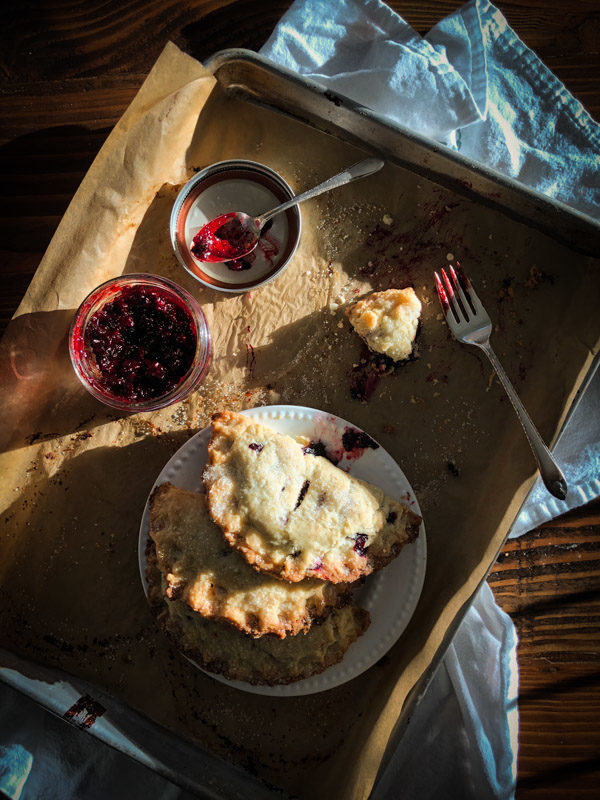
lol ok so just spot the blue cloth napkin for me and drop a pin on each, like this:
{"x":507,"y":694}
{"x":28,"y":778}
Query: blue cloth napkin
{"x":471,"y":83}
{"x":15,"y":766}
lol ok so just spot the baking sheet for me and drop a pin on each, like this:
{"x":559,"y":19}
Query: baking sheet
{"x":76,"y":475}
{"x":250,"y":76}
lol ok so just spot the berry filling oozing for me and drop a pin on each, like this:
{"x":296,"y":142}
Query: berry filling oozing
{"x":353,"y":439}
{"x":360,"y":543}
{"x":143,"y":341}
{"x":302,"y":494}
{"x":315,"y":449}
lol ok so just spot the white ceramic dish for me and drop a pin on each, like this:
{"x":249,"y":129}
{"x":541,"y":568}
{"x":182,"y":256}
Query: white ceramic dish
{"x":236,"y":185}
{"x":390,"y":595}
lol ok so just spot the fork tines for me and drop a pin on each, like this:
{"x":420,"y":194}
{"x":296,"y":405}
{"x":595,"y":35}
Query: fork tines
{"x":454,"y":293}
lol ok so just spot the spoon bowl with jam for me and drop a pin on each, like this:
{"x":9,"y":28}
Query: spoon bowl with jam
{"x":233,"y":236}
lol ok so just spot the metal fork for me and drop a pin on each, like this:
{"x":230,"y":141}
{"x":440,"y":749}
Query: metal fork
{"x":470,"y":323}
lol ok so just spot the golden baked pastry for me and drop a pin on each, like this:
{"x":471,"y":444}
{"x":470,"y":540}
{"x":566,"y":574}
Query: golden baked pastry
{"x":218,"y":647}
{"x":293,"y":513}
{"x":213,"y":579}
{"x":388,"y":321}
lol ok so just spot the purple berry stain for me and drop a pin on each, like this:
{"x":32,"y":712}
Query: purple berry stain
{"x":318,"y":448}
{"x":355,"y":443}
{"x":353,"y":439}
{"x":360,"y":543}
{"x":255,"y":446}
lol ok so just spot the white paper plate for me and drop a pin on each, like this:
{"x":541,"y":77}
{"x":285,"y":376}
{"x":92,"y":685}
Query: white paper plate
{"x":390,"y":595}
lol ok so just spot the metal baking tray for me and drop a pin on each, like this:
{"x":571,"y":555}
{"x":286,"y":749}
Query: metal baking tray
{"x":247,"y":76}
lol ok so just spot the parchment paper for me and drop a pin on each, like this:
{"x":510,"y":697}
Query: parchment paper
{"x":75,"y":474}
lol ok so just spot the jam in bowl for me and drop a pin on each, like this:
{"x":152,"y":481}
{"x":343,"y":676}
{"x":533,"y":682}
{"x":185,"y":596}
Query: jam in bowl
{"x":211,"y":197}
{"x":139,"y":343}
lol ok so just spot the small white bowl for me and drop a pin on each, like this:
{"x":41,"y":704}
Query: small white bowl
{"x":237,"y":185}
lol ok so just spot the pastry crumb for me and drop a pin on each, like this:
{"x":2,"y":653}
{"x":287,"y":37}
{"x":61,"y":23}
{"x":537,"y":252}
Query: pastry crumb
{"x":388,"y":321}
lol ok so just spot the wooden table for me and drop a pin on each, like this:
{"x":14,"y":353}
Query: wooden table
{"x":67,"y":72}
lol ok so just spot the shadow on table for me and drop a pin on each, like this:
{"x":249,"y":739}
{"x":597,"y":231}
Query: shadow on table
{"x":72,"y":528}
{"x":41,"y":171}
{"x":589,"y":681}
{"x":40,"y":396}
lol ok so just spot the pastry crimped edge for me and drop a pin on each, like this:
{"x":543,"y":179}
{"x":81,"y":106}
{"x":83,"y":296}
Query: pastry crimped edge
{"x":358,"y":618}
{"x":354,"y":567}
{"x":309,"y":607}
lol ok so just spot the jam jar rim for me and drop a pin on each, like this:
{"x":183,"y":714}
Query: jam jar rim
{"x":196,"y":372}
{"x":221,"y":168}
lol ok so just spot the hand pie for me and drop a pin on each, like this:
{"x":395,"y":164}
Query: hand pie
{"x":203,"y":572}
{"x":294,"y":514}
{"x":218,"y":647}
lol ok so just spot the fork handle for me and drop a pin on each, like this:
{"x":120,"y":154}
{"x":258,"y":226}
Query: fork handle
{"x":553,"y":478}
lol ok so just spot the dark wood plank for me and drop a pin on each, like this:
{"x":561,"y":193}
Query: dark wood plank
{"x":61,"y":39}
{"x":81,"y":39}
{"x":549,"y":581}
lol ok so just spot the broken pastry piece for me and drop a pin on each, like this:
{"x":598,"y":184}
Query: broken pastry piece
{"x":292,"y":513}
{"x":388,"y":321}
{"x":218,"y":647}
{"x":204,"y":573}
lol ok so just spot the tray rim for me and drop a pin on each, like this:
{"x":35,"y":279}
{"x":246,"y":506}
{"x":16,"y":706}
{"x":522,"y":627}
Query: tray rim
{"x":9,"y":661}
{"x":539,"y":202}
{"x":532,"y":196}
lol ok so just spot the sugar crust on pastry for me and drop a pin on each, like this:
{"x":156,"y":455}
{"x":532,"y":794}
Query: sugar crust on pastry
{"x":388,"y":321}
{"x":213,"y":579}
{"x":220,"y":648}
{"x":293,"y":513}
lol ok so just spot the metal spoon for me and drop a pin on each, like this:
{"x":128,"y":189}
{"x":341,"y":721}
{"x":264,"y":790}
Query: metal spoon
{"x":232,"y":236}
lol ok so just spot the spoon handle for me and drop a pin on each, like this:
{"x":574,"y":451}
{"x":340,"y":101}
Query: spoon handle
{"x":359,"y":170}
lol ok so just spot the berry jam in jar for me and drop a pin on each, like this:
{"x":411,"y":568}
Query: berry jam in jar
{"x":140,"y":342}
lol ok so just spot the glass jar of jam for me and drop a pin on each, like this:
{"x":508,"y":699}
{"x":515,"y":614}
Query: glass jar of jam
{"x":139,"y":343}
